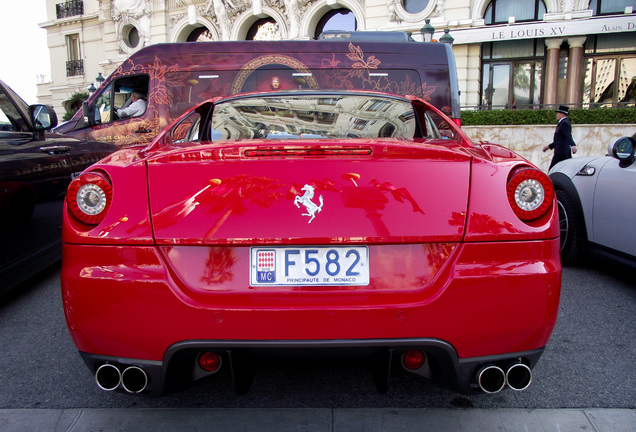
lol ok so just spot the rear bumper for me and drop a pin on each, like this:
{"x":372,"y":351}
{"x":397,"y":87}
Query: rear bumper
{"x":485,"y":302}
{"x":178,"y":368}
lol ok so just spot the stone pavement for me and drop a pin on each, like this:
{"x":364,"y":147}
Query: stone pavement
{"x":318,"y":420}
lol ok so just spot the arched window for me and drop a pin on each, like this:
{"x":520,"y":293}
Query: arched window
{"x":200,"y":34}
{"x":500,"y":11}
{"x":264,"y":29}
{"x":337,"y":19}
{"x":606,"y":7}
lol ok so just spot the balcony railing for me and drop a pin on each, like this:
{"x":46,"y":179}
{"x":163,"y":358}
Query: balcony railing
{"x":74,"y":67}
{"x":69,"y":8}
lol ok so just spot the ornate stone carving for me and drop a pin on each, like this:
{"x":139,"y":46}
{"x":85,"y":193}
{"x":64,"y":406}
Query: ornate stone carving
{"x":439,"y":8}
{"x":134,"y":12}
{"x":294,"y":14}
{"x":567,"y":5}
{"x":393,"y":15}
{"x":218,"y":9}
{"x":174,"y":20}
{"x":224,"y":13}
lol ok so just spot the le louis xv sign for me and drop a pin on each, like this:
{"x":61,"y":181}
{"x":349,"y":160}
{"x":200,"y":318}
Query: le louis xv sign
{"x":546,"y":29}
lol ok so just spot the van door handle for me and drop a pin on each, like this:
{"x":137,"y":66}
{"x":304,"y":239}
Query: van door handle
{"x":143,"y":131}
{"x":55,"y":150}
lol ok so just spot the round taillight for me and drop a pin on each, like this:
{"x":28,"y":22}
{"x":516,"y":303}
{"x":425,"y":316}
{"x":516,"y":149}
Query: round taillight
{"x":413,"y":359}
{"x":530,"y":193}
{"x":89,"y":197}
{"x":209,"y":361}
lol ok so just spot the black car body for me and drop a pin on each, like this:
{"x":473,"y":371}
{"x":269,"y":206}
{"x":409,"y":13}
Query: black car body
{"x":36,"y":168}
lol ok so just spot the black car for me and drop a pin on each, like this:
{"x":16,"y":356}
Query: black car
{"x":36,"y":168}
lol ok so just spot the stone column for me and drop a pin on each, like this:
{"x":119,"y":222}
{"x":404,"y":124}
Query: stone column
{"x":551,"y":71}
{"x":575,"y":70}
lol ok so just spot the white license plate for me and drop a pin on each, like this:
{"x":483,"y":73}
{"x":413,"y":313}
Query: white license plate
{"x":309,"y":265}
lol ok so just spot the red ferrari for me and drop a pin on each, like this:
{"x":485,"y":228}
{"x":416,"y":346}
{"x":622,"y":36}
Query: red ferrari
{"x":311,"y":223}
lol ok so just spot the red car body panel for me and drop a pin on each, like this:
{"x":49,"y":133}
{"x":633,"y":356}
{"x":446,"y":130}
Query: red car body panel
{"x":223,"y":196}
{"x":448,"y":258}
{"x":490,"y":215}
{"x":501,"y":297}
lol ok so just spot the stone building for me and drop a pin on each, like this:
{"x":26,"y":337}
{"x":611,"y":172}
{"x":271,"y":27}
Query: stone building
{"x":509,"y":53}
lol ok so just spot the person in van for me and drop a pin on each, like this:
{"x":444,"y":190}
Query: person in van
{"x":136,"y":108}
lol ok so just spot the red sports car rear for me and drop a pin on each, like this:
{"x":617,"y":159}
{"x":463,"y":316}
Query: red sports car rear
{"x":310,"y":224}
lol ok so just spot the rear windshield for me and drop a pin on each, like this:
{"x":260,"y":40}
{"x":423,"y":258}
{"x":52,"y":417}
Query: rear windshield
{"x":189,"y":88}
{"x":313,"y":116}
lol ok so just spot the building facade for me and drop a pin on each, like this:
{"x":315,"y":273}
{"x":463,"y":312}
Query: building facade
{"x":509,"y":53}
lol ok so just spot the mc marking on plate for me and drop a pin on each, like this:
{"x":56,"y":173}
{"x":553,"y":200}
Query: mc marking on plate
{"x":266,"y":266}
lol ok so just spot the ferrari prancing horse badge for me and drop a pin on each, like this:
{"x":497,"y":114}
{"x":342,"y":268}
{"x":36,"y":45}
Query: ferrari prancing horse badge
{"x":305,"y":200}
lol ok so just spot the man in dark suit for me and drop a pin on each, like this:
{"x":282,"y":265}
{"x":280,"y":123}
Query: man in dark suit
{"x":563,"y":143}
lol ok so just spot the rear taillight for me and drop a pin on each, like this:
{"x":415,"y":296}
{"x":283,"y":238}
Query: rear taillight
{"x":530,"y":193}
{"x":89,"y":197}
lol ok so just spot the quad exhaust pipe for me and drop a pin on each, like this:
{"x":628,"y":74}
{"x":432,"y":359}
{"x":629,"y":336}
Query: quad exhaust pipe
{"x":519,"y":377}
{"x":108,"y":377}
{"x":493,"y":379}
{"x":133,"y":379}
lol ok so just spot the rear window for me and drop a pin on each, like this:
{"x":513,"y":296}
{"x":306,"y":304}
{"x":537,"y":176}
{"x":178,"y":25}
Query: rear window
{"x":313,"y":116}
{"x":189,"y":88}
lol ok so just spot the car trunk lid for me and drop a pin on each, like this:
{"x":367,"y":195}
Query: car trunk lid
{"x":349,"y":191}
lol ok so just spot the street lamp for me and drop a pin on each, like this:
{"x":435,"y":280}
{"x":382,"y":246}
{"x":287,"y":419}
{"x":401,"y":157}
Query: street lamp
{"x":446,"y":37}
{"x":99,"y":79}
{"x":91,"y":89}
{"x":427,"y":31}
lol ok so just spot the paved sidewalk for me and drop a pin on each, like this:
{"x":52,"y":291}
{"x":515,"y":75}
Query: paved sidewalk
{"x":318,"y":420}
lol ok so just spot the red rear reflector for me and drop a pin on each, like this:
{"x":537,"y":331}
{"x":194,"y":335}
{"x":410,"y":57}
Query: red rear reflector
{"x":309,"y":152}
{"x":414,"y":359}
{"x":209,"y":361}
{"x":458,"y":121}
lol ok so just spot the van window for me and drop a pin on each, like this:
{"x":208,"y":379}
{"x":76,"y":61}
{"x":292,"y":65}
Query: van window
{"x":102,"y":106}
{"x":114,"y":102}
{"x":437,"y":127}
{"x":187,"y":129}
{"x":187,"y":89}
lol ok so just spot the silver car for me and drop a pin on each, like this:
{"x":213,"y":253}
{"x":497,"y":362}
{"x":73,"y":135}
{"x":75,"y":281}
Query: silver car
{"x":597,"y":201}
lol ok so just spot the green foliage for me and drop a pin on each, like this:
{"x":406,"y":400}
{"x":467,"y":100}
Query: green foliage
{"x":74,"y":103}
{"x":625,"y":115}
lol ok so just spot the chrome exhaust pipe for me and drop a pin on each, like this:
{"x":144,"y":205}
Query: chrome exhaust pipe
{"x":134,"y":379}
{"x":491,"y":379}
{"x":108,"y":377}
{"x":519,"y":377}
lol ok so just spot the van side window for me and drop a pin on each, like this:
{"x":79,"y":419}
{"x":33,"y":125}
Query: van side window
{"x":431,"y":130}
{"x":442,"y":128}
{"x":102,"y":107}
{"x":188,"y":129}
{"x":123,"y":98}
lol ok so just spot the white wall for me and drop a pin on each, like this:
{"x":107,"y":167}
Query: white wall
{"x":528,"y":141}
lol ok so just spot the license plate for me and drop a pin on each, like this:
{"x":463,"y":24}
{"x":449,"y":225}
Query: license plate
{"x":309,"y":265}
